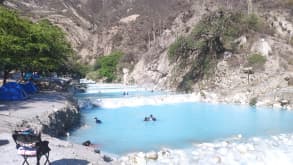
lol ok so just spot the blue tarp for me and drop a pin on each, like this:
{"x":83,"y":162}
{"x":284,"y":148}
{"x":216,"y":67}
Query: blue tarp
{"x":12,"y":91}
{"x":29,"y":88}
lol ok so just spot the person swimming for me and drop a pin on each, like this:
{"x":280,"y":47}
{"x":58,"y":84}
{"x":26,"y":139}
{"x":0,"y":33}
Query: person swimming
{"x":150,"y":118}
{"x":98,"y":121}
{"x":146,"y":119}
{"x":125,"y":93}
{"x":153,"y":118}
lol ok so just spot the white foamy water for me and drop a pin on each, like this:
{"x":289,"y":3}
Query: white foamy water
{"x":274,"y":150}
{"x":111,"y":88}
{"x":150,"y":100}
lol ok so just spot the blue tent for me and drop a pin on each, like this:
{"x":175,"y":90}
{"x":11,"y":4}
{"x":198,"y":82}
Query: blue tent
{"x":29,"y":88}
{"x":12,"y":91}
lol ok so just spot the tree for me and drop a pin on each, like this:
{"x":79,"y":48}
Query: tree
{"x":47,"y":47}
{"x":13,"y":32}
{"x":28,"y":46}
{"x":106,"y":66}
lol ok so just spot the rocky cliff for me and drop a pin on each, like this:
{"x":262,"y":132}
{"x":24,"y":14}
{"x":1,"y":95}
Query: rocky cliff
{"x":145,"y":29}
{"x":56,"y":122}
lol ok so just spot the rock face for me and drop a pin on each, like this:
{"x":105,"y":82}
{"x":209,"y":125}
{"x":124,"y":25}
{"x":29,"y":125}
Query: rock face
{"x":96,"y":27}
{"x":262,"y":47}
{"x":55,"y":123}
{"x":60,"y":122}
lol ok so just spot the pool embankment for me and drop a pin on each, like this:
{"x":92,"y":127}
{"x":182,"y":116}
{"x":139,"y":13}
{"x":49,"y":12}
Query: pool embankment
{"x":60,"y":121}
{"x":54,"y":113}
{"x":50,"y":112}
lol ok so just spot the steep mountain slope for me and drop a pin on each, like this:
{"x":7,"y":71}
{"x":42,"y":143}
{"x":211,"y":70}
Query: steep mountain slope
{"x":97,"y":27}
{"x":145,"y":29}
{"x":271,"y":85}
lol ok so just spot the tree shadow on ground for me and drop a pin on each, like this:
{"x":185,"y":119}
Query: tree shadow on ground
{"x":70,"y":162}
{"x":49,"y":97}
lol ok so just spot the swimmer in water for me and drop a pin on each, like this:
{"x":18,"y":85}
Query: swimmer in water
{"x":98,"y":121}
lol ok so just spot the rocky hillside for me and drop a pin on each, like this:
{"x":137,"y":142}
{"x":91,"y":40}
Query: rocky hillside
{"x":97,"y":27}
{"x":255,"y":65}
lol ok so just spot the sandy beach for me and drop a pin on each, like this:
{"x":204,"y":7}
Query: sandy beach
{"x":39,"y":106}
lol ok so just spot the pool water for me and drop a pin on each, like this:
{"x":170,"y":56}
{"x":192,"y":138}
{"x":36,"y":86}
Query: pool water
{"x":178,"y":125}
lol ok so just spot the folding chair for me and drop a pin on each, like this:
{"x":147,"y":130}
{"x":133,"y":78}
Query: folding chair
{"x":29,"y":144}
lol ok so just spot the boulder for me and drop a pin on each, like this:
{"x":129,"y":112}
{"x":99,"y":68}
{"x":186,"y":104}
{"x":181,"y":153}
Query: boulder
{"x":137,"y":158}
{"x":152,"y":155}
{"x":97,"y":151}
{"x":164,"y":153}
{"x":87,"y":143}
{"x":107,"y":158}
{"x":262,"y":47}
{"x":241,"y":41}
{"x":289,"y":80}
{"x":284,"y":102}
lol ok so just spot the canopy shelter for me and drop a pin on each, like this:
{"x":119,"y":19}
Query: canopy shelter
{"x":29,"y":88}
{"x":12,"y":91}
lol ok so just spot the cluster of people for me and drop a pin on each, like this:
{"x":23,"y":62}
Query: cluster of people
{"x":147,"y":118}
{"x":150,"y":118}
{"x":125,"y":93}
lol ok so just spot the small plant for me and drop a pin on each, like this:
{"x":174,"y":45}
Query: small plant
{"x":253,"y":22}
{"x":256,"y":61}
{"x":253,"y":101}
{"x":173,"y":49}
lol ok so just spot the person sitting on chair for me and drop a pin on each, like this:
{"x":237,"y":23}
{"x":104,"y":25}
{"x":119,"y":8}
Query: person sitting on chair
{"x":98,"y":121}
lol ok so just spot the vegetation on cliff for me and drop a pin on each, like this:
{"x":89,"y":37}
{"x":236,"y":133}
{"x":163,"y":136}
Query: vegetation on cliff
{"x":210,"y":38}
{"x":256,"y":61}
{"x":106,"y":67}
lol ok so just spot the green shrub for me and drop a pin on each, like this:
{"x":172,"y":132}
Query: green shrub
{"x":253,"y":101}
{"x":186,"y":86}
{"x":256,"y":61}
{"x":80,"y":70}
{"x":214,"y":32}
{"x":178,"y":48}
{"x":93,"y":75}
{"x":254,"y":22}
{"x":107,"y":65}
{"x":221,"y":26}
